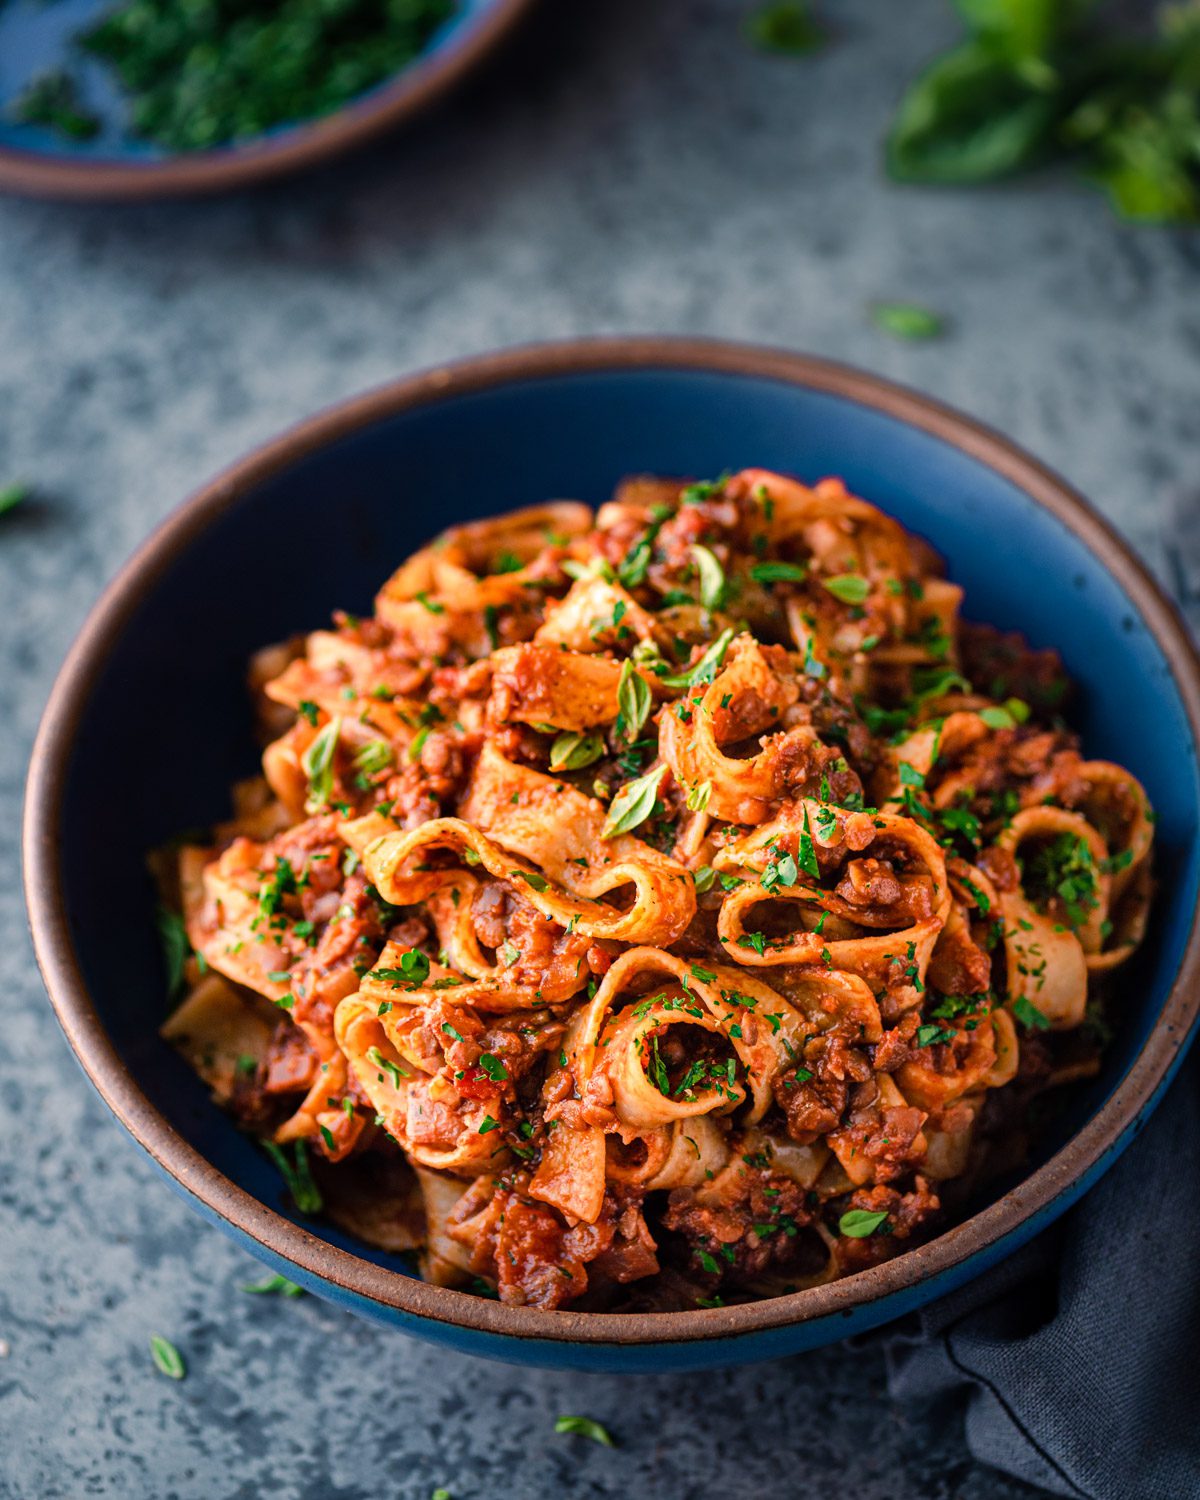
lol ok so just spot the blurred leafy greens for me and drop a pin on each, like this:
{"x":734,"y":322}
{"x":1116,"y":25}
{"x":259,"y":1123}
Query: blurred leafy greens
{"x":1039,"y":80}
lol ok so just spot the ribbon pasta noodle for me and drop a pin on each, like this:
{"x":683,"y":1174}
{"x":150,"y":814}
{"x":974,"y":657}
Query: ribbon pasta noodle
{"x":660,"y":906}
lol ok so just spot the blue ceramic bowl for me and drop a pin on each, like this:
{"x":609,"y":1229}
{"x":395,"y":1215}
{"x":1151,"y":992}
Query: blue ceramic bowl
{"x":36,"y":37}
{"x":148,"y":725}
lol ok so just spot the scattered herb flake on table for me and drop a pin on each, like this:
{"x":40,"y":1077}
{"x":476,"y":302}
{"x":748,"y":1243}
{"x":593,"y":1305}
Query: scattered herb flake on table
{"x":906,"y":320}
{"x":12,"y":495}
{"x":167,"y":1359}
{"x":785,"y":26}
{"x":585,"y":1427}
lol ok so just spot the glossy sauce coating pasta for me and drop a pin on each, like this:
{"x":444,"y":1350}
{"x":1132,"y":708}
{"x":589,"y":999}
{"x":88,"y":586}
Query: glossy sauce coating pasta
{"x":664,"y":906}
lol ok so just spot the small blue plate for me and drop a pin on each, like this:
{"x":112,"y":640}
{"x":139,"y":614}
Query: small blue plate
{"x":36,"y":37}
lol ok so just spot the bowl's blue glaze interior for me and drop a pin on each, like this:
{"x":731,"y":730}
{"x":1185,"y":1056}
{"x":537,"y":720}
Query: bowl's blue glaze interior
{"x":167,"y":727}
{"x":36,"y":37}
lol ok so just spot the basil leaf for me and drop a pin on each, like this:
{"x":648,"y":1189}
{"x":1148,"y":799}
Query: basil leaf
{"x":970,"y":117}
{"x":850,"y":588}
{"x":167,"y":1359}
{"x":571,"y":752}
{"x":633,"y":702}
{"x":317,"y":762}
{"x":997,"y":718}
{"x":712,"y":577}
{"x":706,"y":668}
{"x":905,"y":320}
{"x":633,"y":804}
{"x":585,"y":1427}
{"x":857,"y":1223}
{"x":704,"y":878}
{"x":697,"y":797}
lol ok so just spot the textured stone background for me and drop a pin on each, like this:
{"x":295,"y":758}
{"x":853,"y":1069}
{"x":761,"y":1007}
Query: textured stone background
{"x":630,"y":166}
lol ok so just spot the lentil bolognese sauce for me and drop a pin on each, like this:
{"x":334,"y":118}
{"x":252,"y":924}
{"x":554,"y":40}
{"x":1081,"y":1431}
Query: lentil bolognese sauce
{"x":663,"y":906}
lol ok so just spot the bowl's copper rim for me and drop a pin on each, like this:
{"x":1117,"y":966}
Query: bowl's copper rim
{"x":77,"y":1015}
{"x":105,"y":179}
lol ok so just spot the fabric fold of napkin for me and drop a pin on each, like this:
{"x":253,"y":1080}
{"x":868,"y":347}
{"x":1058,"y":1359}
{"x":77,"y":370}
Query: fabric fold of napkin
{"x":1078,"y":1359}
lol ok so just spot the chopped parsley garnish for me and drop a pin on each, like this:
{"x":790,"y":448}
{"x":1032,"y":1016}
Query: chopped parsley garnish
{"x":1063,"y":869}
{"x":412,"y":973}
{"x":808,"y":854}
{"x":778,"y":572}
{"x":1029,"y":1015}
{"x":633,"y":804}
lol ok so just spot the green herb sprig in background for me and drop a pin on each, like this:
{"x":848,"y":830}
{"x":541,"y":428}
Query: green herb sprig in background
{"x":1042,"y":80}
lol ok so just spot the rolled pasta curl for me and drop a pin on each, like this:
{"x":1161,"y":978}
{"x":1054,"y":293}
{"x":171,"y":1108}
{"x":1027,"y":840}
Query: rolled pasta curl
{"x":397,"y":864}
{"x":1118,"y":806}
{"x":740,"y":790}
{"x":496,"y":992}
{"x":1052,"y":822}
{"x":215,"y":1027}
{"x":544,"y":685}
{"x":846,"y":1145}
{"x":464,"y":557}
{"x":222,"y":917}
{"x":985,"y":1057}
{"x":561,"y":831}
{"x":939,"y":745}
{"x":448,"y":593}
{"x":763,"y":1028}
{"x":630,"y":1048}
{"x":780,"y":1153}
{"x":948,"y":1151}
{"x":399,"y":1093}
{"x":445,"y":1259}
{"x":894,"y":960}
{"x":684,"y":1153}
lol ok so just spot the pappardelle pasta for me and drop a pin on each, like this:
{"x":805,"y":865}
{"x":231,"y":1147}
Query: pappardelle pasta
{"x":657,"y":907}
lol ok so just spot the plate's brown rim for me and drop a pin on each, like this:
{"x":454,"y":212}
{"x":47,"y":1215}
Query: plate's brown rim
{"x":85,"y":1033}
{"x":105,"y":179}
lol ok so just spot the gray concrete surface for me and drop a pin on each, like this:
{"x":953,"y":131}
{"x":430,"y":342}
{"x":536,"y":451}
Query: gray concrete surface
{"x":631,"y":166}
